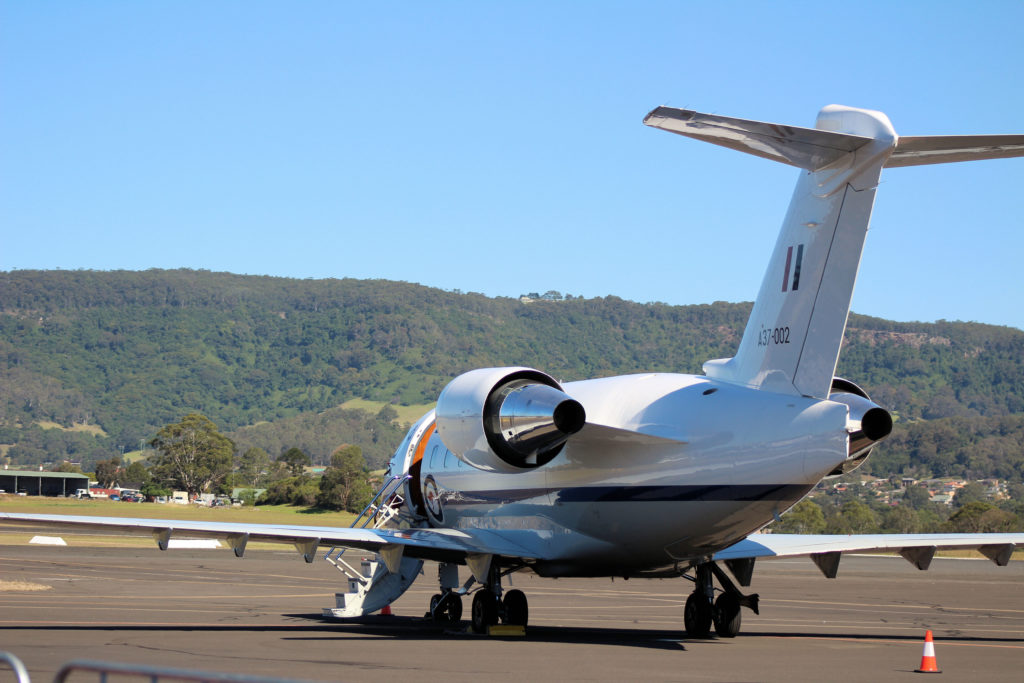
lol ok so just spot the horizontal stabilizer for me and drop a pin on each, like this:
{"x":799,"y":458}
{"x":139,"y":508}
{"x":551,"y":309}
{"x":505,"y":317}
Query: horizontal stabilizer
{"x":941,"y":149}
{"x":807,"y":148}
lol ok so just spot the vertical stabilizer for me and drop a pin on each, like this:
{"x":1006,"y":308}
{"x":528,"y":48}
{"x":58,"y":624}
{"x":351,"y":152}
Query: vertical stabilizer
{"x":791,"y":343}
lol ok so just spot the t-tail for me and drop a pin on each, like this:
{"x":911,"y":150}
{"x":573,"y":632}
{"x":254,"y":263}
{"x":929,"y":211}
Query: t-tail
{"x":792,"y":340}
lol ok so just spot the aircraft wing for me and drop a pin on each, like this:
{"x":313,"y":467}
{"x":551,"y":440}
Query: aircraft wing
{"x":825,"y":550}
{"x":433,"y":544}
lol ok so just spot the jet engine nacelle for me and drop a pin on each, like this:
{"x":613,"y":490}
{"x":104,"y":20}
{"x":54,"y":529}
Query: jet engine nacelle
{"x":867,"y":424}
{"x":506,"y":419}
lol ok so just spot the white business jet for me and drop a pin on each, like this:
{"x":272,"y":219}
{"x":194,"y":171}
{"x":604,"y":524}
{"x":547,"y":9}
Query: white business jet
{"x":648,"y":475}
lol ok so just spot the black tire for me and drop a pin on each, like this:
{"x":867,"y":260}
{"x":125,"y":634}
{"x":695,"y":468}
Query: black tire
{"x":697,"y":615}
{"x":435,"y":613}
{"x":450,"y":608}
{"x":485,"y":610}
{"x":727,"y":615}
{"x":517,"y":611}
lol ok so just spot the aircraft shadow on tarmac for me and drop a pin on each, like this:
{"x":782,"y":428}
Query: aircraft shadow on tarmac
{"x":419,"y":628}
{"x":666,"y":639}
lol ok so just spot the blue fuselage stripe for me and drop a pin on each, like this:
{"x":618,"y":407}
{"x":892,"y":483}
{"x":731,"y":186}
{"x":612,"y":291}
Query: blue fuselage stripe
{"x":706,"y":492}
{"x":641,"y":494}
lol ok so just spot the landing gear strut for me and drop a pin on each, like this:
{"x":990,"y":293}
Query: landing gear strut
{"x":702,"y":611}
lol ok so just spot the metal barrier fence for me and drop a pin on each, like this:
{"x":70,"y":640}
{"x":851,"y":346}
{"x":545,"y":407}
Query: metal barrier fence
{"x":20,"y":672}
{"x":153,"y":673}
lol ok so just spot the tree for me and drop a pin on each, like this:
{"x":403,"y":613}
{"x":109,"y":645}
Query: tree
{"x":192,"y":454}
{"x":806,"y":517}
{"x":901,"y":519}
{"x":301,"y":490}
{"x":136,"y":473}
{"x":917,"y":497}
{"x":981,"y":517}
{"x":252,"y":464}
{"x":108,"y":471}
{"x":971,"y":492}
{"x":152,"y":489}
{"x":296,"y":460}
{"x":854,"y":517}
{"x":344,"y":485}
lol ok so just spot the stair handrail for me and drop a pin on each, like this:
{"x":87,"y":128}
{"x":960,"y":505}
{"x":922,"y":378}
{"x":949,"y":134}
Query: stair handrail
{"x":388,"y":491}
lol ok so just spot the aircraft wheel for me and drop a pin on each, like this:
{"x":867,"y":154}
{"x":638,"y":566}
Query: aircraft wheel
{"x":451,"y":608}
{"x":435,"y":600}
{"x":727,"y":615}
{"x":697,"y":615}
{"x":517,"y":612}
{"x":485,"y":610}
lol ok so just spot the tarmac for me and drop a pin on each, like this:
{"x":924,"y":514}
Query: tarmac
{"x":207,"y":610}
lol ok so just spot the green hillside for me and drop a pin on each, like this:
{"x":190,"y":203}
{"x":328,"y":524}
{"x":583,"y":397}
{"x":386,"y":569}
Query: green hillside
{"x":271,"y":360}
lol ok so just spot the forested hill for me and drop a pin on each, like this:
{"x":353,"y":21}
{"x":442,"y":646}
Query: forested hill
{"x":127,"y":352}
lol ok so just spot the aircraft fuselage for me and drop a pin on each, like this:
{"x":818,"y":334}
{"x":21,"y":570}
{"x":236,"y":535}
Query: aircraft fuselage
{"x":698,"y":465}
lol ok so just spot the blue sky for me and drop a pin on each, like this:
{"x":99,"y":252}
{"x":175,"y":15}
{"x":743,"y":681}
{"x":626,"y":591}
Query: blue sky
{"x":498,"y":148}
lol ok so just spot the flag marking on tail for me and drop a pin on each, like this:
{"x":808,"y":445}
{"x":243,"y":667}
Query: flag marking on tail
{"x":796,"y":268}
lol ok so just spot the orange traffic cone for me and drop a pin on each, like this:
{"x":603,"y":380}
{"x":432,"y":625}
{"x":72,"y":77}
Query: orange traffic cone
{"x":386,"y":612}
{"x":928,"y":663}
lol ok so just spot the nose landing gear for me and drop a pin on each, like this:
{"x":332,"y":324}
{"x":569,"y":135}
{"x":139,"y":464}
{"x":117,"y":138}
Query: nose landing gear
{"x":446,"y":608}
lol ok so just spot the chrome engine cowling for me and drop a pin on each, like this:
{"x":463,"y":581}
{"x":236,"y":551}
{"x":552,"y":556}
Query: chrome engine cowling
{"x":506,"y":419}
{"x":867,"y":424}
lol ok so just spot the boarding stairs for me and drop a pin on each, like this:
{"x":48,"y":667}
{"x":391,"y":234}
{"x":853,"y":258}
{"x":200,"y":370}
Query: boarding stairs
{"x":372,"y":586}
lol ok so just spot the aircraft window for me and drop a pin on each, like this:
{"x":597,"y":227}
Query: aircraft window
{"x":448,"y":459}
{"x":433,"y":458}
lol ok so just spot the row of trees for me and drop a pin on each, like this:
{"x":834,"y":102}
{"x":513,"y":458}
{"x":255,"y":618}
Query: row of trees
{"x":848,"y":513}
{"x":192,"y":455}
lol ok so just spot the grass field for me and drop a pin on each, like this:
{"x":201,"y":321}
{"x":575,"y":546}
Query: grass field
{"x":95,"y":430}
{"x":264,"y":514}
{"x":406,"y":414}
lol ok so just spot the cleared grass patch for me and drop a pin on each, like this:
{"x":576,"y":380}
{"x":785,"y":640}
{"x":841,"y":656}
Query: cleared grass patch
{"x":131,"y":456}
{"x":95,"y":430}
{"x":406,"y":414}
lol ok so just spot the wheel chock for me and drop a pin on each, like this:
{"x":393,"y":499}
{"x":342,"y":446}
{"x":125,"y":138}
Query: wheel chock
{"x":506,"y":630}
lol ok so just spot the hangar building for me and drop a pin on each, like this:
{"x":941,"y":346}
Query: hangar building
{"x":42,"y":483}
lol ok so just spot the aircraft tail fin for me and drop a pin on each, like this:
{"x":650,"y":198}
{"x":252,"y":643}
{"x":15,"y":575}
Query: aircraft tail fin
{"x":792,"y":339}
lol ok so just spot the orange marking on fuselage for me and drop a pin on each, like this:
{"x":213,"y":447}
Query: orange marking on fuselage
{"x":421,"y":447}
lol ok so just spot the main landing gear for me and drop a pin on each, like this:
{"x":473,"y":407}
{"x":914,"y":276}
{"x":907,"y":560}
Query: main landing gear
{"x":702,"y":610}
{"x":489,"y":606}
